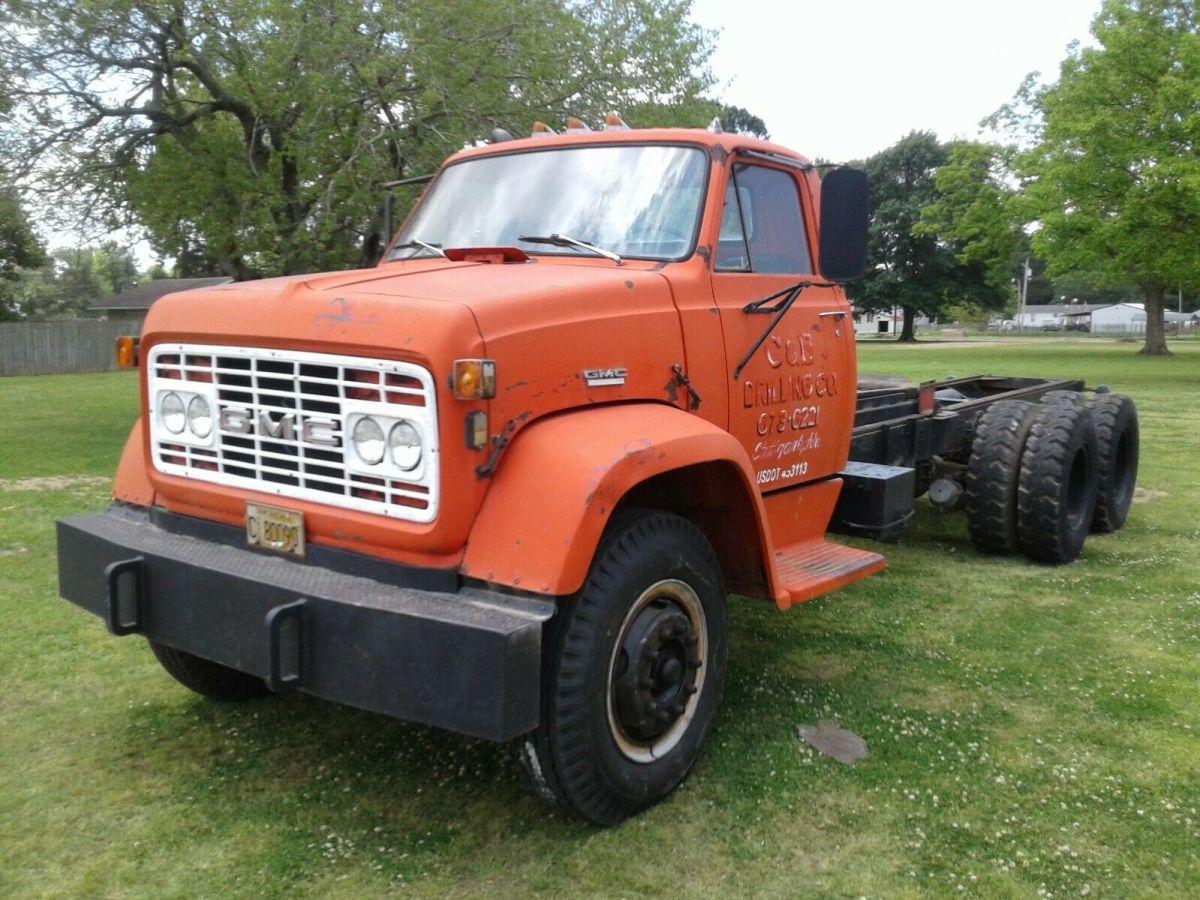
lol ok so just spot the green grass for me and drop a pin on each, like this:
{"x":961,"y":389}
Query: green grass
{"x":1032,"y":730}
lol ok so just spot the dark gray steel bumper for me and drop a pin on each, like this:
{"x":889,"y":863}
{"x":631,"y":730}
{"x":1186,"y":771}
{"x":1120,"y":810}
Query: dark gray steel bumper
{"x":468,"y":661}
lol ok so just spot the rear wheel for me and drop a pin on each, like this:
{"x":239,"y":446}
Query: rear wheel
{"x":1072,"y":397}
{"x":1056,"y":494}
{"x":993,"y":471}
{"x":211,"y":679}
{"x":635,"y":674}
{"x":1117,"y":437}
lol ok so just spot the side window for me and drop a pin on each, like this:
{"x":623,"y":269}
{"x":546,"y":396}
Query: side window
{"x":762,"y":225}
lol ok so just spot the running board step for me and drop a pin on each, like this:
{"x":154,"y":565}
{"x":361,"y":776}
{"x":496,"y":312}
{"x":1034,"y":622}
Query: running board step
{"x":811,"y":569}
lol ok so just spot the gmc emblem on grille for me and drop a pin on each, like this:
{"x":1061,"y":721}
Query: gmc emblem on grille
{"x":320,"y":432}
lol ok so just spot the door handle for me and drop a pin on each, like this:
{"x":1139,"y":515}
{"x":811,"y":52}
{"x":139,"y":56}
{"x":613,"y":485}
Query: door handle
{"x":835,"y":312}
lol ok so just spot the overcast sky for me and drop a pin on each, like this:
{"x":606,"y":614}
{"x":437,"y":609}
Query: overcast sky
{"x":848,"y":78}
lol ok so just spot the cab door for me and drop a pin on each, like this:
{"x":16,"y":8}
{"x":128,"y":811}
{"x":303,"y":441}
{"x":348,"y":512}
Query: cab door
{"x":792,"y":402}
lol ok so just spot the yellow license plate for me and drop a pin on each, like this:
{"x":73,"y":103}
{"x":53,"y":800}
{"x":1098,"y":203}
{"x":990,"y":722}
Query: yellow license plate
{"x":281,"y":530}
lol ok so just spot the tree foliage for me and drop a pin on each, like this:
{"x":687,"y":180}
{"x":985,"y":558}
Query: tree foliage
{"x":736,"y":120}
{"x":975,"y":208}
{"x":19,"y":249}
{"x":1114,"y":175}
{"x":67,"y":282}
{"x":910,"y":265}
{"x":254,"y":134}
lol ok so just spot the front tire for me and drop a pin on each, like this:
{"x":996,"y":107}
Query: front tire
{"x":210,"y":679}
{"x":635,"y":672}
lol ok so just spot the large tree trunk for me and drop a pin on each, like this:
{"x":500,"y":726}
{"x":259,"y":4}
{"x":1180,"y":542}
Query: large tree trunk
{"x":909,"y":331}
{"x":1156,"y":335}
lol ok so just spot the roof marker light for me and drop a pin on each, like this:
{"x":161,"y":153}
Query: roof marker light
{"x":613,"y":122}
{"x":541,"y":130}
{"x":714,"y":127}
{"x":576,"y":126}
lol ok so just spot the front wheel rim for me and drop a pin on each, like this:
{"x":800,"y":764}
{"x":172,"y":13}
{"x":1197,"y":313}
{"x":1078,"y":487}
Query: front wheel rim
{"x":656,"y":671}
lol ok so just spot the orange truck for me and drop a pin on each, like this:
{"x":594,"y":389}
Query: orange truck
{"x":502,"y":482}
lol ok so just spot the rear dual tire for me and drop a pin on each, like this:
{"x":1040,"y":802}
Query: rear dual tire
{"x":993,"y":470}
{"x":1040,"y":476}
{"x":1056,"y":494}
{"x":1117,"y":433}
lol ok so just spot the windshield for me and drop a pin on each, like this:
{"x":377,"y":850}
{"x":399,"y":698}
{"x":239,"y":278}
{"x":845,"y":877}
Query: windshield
{"x":637,"y":201}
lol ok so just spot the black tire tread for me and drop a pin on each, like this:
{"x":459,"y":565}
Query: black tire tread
{"x":993,"y":472}
{"x":1057,"y":429}
{"x":1113,"y":414}
{"x":1060,"y":396}
{"x":562,"y":770}
{"x":207,"y":678}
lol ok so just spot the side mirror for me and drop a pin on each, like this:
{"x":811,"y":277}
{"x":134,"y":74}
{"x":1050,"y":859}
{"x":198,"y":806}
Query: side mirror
{"x":845,"y":207}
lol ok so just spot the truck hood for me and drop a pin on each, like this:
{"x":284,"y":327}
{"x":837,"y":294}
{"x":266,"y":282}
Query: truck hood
{"x":402,"y":304}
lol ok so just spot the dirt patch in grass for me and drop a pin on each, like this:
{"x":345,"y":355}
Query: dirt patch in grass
{"x":1147,"y":495}
{"x":53,"y":483}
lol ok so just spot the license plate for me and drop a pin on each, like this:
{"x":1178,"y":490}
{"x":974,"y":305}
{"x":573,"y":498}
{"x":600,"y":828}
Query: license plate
{"x":281,"y":530}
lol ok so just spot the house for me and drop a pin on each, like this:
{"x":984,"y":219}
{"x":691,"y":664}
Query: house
{"x":133,"y":304}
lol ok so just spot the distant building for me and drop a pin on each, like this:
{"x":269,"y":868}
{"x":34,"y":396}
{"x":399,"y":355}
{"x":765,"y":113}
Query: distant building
{"x":134,"y":303}
{"x":866,"y":323}
{"x":1099,"y":318}
{"x":1053,"y":317}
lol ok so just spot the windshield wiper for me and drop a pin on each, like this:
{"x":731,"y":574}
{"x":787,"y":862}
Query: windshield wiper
{"x":562,"y":240}
{"x":415,"y":244}
{"x":777,"y":311}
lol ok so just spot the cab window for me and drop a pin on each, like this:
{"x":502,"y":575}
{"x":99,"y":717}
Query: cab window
{"x":762,"y":224}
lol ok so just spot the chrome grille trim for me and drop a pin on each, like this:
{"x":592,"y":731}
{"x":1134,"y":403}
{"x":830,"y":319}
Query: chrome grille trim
{"x":306,"y":400}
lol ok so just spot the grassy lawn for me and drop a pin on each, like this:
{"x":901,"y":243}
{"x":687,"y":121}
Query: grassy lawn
{"x":1033,"y":731}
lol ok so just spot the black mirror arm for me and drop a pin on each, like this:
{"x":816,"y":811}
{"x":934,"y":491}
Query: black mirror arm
{"x":789,"y":295}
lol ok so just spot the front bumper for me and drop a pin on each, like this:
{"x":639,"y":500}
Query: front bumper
{"x":468,"y":661}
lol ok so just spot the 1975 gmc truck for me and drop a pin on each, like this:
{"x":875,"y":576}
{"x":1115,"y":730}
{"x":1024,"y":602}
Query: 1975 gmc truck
{"x":502,"y":482}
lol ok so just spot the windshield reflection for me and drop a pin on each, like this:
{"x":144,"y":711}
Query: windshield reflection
{"x":635,"y":201}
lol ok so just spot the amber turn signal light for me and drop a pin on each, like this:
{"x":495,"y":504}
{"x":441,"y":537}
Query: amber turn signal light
{"x":474,"y":379}
{"x":127,"y":352}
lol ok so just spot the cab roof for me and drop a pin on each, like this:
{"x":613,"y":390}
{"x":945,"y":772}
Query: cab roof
{"x":696,"y":137}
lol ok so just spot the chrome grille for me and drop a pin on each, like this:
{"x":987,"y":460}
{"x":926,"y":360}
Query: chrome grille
{"x":280,"y":420}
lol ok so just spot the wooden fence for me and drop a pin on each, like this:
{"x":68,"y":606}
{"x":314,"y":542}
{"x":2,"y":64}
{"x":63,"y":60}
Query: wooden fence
{"x":70,"y":345}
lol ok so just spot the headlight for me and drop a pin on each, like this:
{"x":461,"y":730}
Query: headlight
{"x":405,"y":444}
{"x":368,"y":440}
{"x":170,"y":412}
{"x":199,"y":416}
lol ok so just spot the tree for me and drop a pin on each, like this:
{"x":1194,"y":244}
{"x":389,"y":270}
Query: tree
{"x":1114,"y":175}
{"x":909,"y":266}
{"x":19,"y":250}
{"x":255,"y":133}
{"x":974,"y":209}
{"x":736,"y":120}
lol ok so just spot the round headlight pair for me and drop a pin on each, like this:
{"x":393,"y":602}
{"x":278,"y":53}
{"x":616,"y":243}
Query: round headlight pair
{"x":403,"y":442}
{"x":196,"y":416}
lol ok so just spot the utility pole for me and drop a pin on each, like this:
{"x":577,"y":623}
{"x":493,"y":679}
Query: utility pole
{"x":1024,"y":292}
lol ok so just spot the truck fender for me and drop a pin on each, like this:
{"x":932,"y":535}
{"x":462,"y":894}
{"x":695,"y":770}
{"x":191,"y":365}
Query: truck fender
{"x":558,"y":483}
{"x":132,"y":484}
